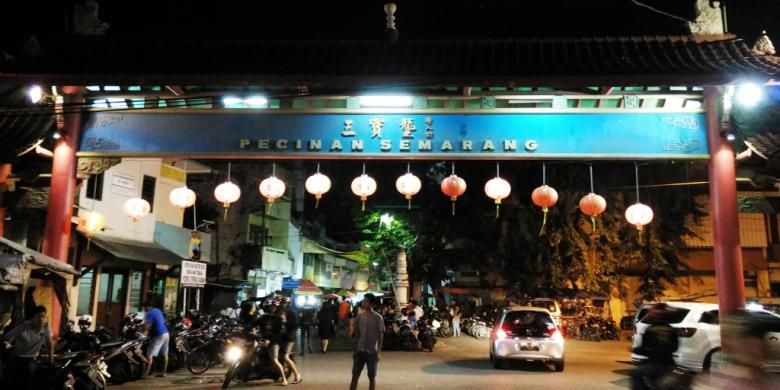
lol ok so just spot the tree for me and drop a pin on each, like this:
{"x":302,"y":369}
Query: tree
{"x":385,"y":236}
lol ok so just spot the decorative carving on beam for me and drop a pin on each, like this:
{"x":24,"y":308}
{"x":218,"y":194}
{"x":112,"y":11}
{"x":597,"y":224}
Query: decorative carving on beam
{"x":88,"y":166}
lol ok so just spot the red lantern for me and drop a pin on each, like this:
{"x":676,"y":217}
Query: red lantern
{"x":592,"y":205}
{"x":453,"y":186}
{"x":544,"y":197}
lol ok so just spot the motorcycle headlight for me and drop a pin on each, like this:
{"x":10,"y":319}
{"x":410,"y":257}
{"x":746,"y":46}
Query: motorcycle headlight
{"x":233,"y":353}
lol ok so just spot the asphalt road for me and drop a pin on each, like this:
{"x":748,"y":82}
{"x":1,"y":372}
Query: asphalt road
{"x":457,"y":363}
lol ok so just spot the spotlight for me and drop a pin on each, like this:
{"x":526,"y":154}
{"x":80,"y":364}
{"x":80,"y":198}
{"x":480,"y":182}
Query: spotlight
{"x":748,"y":95}
{"x":56,"y":135}
{"x":35,"y":93}
{"x":391,"y":101}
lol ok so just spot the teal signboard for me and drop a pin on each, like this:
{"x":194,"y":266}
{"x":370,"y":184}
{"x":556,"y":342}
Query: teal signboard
{"x":413,"y":135}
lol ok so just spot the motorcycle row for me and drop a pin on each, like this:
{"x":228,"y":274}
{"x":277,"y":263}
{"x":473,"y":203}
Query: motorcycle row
{"x":89,"y":360}
{"x":400,"y":335}
{"x":592,"y":328}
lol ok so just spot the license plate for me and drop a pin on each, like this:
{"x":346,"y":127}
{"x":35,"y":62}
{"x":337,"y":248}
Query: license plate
{"x":529,"y":347}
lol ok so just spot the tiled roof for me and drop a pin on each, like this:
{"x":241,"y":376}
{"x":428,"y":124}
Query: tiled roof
{"x":349,"y":63}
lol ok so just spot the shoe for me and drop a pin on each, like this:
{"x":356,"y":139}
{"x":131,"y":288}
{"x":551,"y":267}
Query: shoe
{"x":299,"y":380}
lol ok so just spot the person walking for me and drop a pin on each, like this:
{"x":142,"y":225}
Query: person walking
{"x":27,"y":338}
{"x":158,"y":334}
{"x":369,"y":332}
{"x":289,"y":329}
{"x":272,"y":336}
{"x":326,"y":325}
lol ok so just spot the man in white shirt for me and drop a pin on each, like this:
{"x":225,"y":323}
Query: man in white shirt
{"x":27,"y":339}
{"x":369,"y":329}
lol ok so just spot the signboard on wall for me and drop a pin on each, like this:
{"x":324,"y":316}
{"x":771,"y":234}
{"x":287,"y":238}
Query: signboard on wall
{"x":193,"y":274}
{"x":123,"y":184}
{"x":619,"y":134}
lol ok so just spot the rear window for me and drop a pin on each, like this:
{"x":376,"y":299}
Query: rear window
{"x":710,"y":317}
{"x":528,"y":323}
{"x":550,"y":306}
{"x":674,"y":316}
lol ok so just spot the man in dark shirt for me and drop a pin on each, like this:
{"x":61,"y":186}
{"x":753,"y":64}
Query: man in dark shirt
{"x":659,"y":343}
{"x":369,"y":329}
{"x":305,"y":321}
{"x":158,"y":333}
{"x":28,"y":338}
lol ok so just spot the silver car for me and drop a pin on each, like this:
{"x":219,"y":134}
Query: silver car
{"x":528,"y":334}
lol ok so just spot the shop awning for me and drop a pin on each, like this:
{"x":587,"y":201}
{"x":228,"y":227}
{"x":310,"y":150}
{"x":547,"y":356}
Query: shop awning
{"x":307,"y":287}
{"x":147,"y":252}
{"x":39,"y":260}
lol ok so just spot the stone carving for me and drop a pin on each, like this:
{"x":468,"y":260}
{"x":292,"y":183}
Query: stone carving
{"x":87,"y":166}
{"x":763,"y":45}
{"x":710,"y":19}
{"x":86,"y":21}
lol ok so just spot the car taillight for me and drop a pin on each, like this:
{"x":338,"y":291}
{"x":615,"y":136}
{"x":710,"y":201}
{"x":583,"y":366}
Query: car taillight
{"x":554,"y":333}
{"x":500,"y":334}
{"x":685,"y":332}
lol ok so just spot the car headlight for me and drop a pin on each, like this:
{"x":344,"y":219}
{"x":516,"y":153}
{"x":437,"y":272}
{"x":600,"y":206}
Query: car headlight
{"x":300,"y":300}
{"x":233,"y":354}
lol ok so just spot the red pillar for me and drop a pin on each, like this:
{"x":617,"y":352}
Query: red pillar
{"x":723,"y":209}
{"x":61,"y":195}
{"x":5,"y":171}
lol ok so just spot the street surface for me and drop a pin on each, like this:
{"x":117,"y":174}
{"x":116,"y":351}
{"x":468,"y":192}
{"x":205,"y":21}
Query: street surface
{"x":457,"y":363}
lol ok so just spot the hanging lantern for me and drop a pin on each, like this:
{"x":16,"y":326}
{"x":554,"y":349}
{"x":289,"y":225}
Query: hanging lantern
{"x":363,"y":186}
{"x":453,"y":186}
{"x":497,"y":189}
{"x":544,"y":197}
{"x":136,"y":208}
{"x":317,"y":184}
{"x":408,"y":185}
{"x":272,"y":188}
{"x":638,"y":214}
{"x":227,"y":193}
{"x":591,"y":204}
{"x":89,"y":223}
{"x":182,"y":197}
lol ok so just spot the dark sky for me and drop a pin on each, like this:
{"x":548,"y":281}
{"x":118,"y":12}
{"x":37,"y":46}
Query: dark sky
{"x":365,"y":18}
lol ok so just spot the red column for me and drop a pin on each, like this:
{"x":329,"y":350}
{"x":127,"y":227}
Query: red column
{"x":5,"y":171}
{"x":723,"y":209}
{"x":61,"y":195}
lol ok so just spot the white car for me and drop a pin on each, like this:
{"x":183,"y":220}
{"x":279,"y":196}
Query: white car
{"x":526,"y":333}
{"x":698,"y":332}
{"x":551,"y":305}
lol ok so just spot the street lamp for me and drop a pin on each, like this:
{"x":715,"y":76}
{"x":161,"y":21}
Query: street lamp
{"x":749,"y":95}
{"x":385,"y":220}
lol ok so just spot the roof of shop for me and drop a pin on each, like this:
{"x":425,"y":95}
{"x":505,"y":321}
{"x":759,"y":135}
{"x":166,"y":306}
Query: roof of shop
{"x":351,"y":63}
{"x":147,"y":252}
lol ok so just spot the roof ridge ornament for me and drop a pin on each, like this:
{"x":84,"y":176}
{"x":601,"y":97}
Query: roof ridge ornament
{"x":391,"y":33}
{"x":763,"y":45}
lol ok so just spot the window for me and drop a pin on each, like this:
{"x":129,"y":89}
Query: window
{"x":674,"y":315}
{"x":528,"y":323}
{"x":85,"y":293}
{"x":774,"y":287}
{"x":710,"y":317}
{"x":147,"y":190}
{"x":95,"y":187}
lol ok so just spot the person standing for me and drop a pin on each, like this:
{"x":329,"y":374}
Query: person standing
{"x":158,"y":334}
{"x":326,"y":325}
{"x":456,"y":314}
{"x":369,"y":332}
{"x":27,"y":338}
{"x":306,"y":319}
{"x":289,"y":329}
{"x":272,"y":334}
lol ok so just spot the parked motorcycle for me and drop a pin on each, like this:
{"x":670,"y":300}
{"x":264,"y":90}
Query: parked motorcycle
{"x":425,"y":334}
{"x":251,"y":361}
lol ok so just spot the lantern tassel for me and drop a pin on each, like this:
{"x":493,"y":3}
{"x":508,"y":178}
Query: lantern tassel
{"x":453,"y":208}
{"x":89,"y":240}
{"x":409,"y":204}
{"x":317,"y":203}
{"x":224,"y":218}
{"x":363,"y":206}
{"x":544,"y":221}
{"x":593,"y":221}
{"x":497,"y":207}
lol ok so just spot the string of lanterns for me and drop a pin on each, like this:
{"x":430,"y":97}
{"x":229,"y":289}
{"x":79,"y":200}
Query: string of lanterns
{"x":363,"y":186}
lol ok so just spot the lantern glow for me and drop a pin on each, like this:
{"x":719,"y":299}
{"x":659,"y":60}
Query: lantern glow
{"x":408,"y":185}
{"x":497,"y":189}
{"x":272,"y":188}
{"x":89,"y":223}
{"x":136,"y":208}
{"x":182,"y":197}
{"x":317,"y":184}
{"x":453,"y":186}
{"x":363,"y":186}
{"x":639,"y":215}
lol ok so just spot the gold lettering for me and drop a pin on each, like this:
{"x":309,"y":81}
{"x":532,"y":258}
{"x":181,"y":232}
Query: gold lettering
{"x":243,"y":143}
{"x":488,"y":146}
{"x":385,"y":145}
{"x":467,"y":145}
{"x":510,"y":144}
{"x":298,"y":144}
{"x":281,"y":144}
{"x":404,"y":145}
{"x":357,"y":145}
{"x":446,"y":146}
{"x":424,"y":145}
{"x":315,"y":144}
{"x":336,"y":145}
{"x":262,"y":144}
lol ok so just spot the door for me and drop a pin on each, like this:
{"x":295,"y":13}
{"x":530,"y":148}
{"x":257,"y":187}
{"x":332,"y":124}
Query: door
{"x":111,"y":299}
